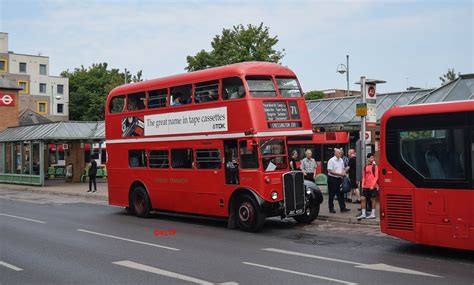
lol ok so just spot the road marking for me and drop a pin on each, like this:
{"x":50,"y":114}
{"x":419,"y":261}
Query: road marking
{"x":310,"y":256}
{"x":377,"y":266}
{"x":130,"y":240}
{"x":300,"y":273}
{"x":142,"y":267}
{"x":26,"y":219}
{"x":13,"y":267}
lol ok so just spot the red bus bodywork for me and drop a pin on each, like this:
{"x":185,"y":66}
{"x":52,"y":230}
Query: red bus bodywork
{"x":203,"y":191}
{"x":422,"y":198}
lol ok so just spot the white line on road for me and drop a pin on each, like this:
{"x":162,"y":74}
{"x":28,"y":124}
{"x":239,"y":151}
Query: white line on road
{"x":129,"y":240}
{"x":26,"y":219}
{"x":10,"y":266}
{"x":310,"y":256}
{"x":142,"y":267}
{"x":300,"y":273}
{"x":378,"y":266}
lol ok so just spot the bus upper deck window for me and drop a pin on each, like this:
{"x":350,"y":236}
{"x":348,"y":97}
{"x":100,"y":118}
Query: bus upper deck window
{"x":136,"y":101}
{"x":117,"y":104}
{"x":261,"y":86}
{"x":232,"y":88}
{"x":206,"y":91}
{"x":157,"y":98}
{"x":288,"y":87}
{"x":181,"y":95}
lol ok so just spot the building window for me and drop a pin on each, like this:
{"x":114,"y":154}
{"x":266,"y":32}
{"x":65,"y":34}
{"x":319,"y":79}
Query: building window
{"x":23,"y":67}
{"x":60,"y":89}
{"x":3,"y":65}
{"x":42,"y":107}
{"x":42,"y":69}
{"x":42,"y":87}
{"x":23,"y":84}
{"x":60,"y":108}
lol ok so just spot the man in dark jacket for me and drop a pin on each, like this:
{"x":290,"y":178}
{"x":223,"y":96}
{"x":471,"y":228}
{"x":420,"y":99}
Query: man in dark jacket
{"x":92,"y":175}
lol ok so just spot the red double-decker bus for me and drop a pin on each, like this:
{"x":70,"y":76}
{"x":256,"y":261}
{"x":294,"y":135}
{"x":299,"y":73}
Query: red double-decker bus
{"x":426,"y":181}
{"x":211,"y":142}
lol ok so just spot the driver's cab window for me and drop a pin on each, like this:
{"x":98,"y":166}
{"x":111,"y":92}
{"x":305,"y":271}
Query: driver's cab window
{"x":248,"y":154}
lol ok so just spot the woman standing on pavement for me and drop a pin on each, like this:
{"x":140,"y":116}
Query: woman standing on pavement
{"x":369,"y":186}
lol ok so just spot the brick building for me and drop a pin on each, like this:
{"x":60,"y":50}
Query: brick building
{"x":8,"y":103}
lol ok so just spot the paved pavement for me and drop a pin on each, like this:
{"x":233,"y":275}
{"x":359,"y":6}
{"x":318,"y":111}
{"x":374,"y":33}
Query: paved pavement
{"x":55,"y":241}
{"x":79,"y":190}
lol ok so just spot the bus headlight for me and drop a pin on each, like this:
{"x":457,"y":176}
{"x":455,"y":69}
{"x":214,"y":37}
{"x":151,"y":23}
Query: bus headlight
{"x":274,"y":195}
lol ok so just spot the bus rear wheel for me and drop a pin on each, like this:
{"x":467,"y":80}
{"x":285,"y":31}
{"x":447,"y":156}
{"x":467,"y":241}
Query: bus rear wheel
{"x":248,"y":215}
{"x":140,"y":203}
{"x":310,"y":214}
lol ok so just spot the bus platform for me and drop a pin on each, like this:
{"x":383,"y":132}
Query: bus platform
{"x":58,"y":187}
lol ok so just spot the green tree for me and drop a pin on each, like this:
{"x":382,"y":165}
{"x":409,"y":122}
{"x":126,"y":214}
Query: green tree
{"x":89,"y":87}
{"x":448,"y":76}
{"x":313,"y":95}
{"x":241,"y":43}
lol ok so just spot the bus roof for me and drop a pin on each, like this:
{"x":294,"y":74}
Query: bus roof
{"x":243,"y":68}
{"x":432,"y":108}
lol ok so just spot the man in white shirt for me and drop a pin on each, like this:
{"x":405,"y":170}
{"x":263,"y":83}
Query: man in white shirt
{"x":336,"y":170}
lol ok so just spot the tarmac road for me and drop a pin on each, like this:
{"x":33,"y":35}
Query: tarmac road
{"x":57,"y":241}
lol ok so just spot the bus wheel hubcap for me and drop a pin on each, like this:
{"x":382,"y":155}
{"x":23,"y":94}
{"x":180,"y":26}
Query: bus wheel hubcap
{"x":139,"y":204}
{"x":308,"y":211}
{"x":245,"y":212}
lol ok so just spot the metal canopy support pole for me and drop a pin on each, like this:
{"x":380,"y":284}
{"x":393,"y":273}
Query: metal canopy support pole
{"x":30,"y":145}
{"x":57,"y":154}
{"x":100,"y":153}
{"x":362,"y":127}
{"x":41,"y":158}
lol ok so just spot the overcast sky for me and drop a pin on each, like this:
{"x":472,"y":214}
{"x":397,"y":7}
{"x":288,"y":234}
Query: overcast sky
{"x":402,"y":42}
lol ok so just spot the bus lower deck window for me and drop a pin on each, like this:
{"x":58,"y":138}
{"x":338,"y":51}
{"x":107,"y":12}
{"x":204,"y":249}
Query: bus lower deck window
{"x":158,"y":159}
{"x":137,"y":158}
{"x":182,"y":158}
{"x":208,"y":159}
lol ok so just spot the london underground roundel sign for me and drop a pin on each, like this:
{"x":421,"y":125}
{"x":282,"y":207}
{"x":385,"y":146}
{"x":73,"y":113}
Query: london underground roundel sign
{"x":7,"y":100}
{"x":371,"y":91}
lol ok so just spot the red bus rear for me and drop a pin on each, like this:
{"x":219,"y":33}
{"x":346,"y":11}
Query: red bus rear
{"x":426,"y":181}
{"x":210,"y":142}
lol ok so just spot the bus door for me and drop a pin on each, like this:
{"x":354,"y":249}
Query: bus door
{"x":210,"y":174}
{"x":231,"y":162}
{"x":248,"y":163}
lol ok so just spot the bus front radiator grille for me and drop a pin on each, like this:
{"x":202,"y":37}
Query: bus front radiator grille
{"x":400,"y":212}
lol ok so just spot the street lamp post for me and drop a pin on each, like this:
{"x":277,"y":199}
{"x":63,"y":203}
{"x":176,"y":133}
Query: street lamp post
{"x":344,"y":68}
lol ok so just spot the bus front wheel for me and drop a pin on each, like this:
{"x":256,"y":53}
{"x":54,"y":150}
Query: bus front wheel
{"x":140,"y":203}
{"x":310,"y":214}
{"x":248,"y":215}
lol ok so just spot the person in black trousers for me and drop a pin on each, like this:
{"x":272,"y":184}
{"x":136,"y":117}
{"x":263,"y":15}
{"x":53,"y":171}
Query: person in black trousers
{"x":336,"y":171}
{"x":92,"y":175}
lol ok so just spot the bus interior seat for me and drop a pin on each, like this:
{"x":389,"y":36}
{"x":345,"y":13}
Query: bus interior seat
{"x":134,"y":162}
{"x":434,"y":165}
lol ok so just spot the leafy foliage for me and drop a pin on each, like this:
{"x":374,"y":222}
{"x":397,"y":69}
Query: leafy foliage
{"x":89,"y":87}
{"x":241,"y":43}
{"x":313,"y":95}
{"x":448,"y":76}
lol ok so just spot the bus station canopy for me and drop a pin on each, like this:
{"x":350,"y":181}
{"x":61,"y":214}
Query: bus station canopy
{"x":340,"y":113}
{"x":56,"y":132}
